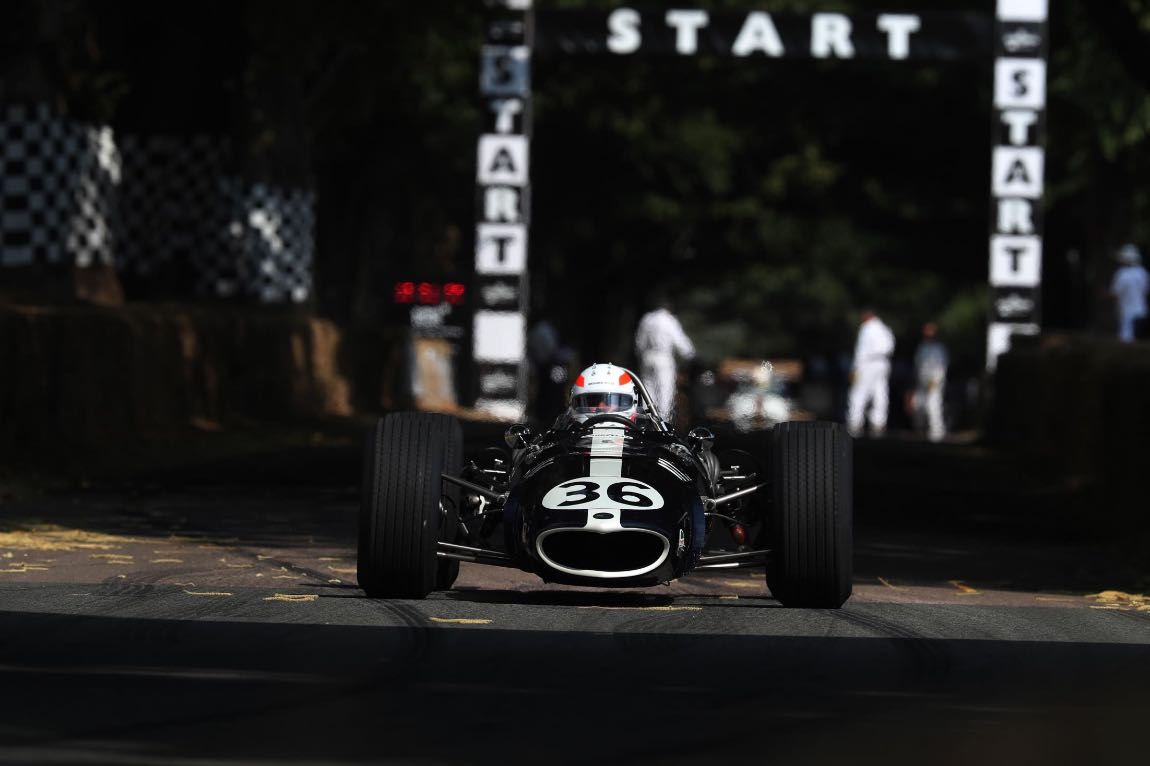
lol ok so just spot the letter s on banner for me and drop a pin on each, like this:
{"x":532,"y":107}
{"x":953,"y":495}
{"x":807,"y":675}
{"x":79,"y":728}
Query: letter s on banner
{"x":623,"y":24}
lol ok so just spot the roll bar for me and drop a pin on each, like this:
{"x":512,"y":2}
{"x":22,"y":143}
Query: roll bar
{"x":647,"y":401}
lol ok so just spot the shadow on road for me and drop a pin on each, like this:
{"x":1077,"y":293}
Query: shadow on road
{"x":131,"y":690}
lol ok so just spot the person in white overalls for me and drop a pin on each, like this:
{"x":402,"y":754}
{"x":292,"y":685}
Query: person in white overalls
{"x":1129,"y":288}
{"x":658,"y":339}
{"x":870,"y":375}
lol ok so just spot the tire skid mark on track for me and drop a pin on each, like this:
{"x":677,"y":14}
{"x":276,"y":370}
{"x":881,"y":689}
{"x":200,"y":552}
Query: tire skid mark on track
{"x":652,"y":634}
{"x":405,"y":662}
{"x":928,"y":661}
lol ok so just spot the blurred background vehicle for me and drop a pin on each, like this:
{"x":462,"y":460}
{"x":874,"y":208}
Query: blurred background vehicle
{"x":749,"y":394}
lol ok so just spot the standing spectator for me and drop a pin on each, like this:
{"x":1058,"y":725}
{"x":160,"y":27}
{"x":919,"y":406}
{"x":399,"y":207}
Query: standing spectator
{"x":930,"y":363}
{"x":658,"y":339}
{"x":870,"y":375}
{"x":1129,"y":288}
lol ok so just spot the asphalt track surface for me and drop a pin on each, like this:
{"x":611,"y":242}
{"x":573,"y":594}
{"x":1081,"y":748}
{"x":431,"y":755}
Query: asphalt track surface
{"x":213,"y":617}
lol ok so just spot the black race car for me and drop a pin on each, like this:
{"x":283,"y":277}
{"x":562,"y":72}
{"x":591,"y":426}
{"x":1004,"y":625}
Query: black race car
{"x":609,"y":502}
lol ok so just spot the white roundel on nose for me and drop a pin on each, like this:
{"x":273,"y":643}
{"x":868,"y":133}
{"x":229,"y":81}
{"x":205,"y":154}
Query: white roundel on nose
{"x":601,"y":493}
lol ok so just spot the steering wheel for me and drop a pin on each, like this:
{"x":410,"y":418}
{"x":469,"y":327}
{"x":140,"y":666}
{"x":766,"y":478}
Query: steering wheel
{"x":608,"y":417}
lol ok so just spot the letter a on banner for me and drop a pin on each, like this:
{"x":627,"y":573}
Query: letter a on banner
{"x":502,"y":160}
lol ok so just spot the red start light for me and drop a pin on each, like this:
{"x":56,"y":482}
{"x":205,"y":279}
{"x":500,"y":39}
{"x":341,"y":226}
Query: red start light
{"x":405,"y":292}
{"x":453,"y":292}
{"x":429,"y":292}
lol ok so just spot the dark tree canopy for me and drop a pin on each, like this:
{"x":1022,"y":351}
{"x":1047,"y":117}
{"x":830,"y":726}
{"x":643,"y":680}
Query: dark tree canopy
{"x":773,"y":198}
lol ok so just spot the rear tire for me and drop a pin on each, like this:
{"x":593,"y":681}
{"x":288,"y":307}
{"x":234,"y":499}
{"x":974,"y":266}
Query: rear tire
{"x":401,"y":521}
{"x":811,"y":525}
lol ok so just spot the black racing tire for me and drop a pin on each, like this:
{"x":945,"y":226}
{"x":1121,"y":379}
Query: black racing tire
{"x":400,"y":517}
{"x":811,"y":524}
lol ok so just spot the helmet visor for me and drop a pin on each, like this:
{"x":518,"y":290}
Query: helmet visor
{"x":590,"y":404}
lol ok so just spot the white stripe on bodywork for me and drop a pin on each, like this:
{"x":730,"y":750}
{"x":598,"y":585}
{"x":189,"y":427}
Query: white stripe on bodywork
{"x":606,"y":461}
{"x":606,"y":451}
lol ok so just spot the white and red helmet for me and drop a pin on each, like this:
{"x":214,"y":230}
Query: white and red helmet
{"x":603,"y":388}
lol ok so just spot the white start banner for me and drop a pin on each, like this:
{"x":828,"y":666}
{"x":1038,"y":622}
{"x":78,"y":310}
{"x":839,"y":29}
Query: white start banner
{"x":502,"y":176}
{"x":1017,"y":174}
{"x":681,"y":30}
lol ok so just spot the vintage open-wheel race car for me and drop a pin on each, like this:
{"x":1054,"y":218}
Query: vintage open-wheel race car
{"x":612,"y":501}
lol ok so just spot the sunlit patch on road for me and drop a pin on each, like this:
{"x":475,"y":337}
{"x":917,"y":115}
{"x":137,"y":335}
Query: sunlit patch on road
{"x":52,"y":537}
{"x":207,"y":593}
{"x":1116,"y":599}
{"x":21,"y":568}
{"x":747,"y":584}
{"x":887,"y":583}
{"x":114,"y":558}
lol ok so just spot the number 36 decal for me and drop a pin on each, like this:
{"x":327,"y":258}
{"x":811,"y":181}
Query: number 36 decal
{"x":593,"y":494}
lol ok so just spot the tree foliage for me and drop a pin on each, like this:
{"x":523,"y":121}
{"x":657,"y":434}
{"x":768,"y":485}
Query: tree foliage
{"x":774,"y":198}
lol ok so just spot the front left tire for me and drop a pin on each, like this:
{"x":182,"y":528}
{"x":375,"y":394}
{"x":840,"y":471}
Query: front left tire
{"x":811,"y":516}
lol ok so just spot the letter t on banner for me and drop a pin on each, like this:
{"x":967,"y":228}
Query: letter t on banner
{"x":1017,"y":173}
{"x":498,"y":328}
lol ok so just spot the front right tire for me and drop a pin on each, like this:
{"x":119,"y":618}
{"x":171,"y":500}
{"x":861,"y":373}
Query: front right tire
{"x":405,"y":509}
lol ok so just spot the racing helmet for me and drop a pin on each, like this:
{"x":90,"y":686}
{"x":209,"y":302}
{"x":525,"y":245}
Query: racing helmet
{"x":603,"y":388}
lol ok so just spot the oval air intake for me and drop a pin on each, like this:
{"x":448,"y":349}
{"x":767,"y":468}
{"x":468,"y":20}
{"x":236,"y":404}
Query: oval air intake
{"x":611,"y":554}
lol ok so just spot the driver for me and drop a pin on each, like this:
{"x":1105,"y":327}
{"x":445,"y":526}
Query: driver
{"x":600,"y":389}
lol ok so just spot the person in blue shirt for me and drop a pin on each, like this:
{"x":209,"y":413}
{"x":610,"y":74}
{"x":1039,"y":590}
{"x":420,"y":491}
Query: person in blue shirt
{"x":930,"y":363}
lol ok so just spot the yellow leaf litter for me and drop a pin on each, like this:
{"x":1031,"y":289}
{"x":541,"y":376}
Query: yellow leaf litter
{"x":1116,"y":599}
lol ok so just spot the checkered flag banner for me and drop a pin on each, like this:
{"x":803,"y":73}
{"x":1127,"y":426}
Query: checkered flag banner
{"x":59,"y":184}
{"x":76,"y":194}
{"x":273,"y":231}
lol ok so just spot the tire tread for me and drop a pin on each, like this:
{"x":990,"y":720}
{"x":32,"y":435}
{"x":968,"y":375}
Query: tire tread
{"x":812,"y":547}
{"x":405,"y":455}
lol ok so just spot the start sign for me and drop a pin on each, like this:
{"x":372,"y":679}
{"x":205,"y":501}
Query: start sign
{"x":685,"y":31}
